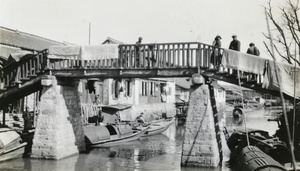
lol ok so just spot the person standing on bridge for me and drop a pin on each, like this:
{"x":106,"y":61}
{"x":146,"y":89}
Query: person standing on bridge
{"x":137,"y":50}
{"x":253,"y":50}
{"x":235,"y":44}
{"x":215,"y":56}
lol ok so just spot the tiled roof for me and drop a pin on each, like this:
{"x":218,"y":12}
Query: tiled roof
{"x":18,"y":39}
{"x":110,"y":40}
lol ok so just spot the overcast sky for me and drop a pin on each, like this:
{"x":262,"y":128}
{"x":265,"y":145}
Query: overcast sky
{"x":126,"y":20}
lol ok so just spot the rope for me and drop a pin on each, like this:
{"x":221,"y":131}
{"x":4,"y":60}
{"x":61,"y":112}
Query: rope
{"x":246,"y":130}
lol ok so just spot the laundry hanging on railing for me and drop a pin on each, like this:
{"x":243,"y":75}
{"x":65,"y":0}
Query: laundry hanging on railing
{"x":289,"y":75}
{"x":107,"y":51}
{"x":257,"y":65}
{"x":64,"y":52}
{"x":94,"y":52}
{"x":242,"y":61}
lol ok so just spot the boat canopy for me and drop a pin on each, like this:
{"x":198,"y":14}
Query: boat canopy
{"x":8,"y":137}
{"x":96,"y":133}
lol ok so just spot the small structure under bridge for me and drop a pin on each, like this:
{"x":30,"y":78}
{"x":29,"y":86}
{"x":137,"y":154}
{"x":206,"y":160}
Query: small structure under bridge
{"x":59,"y":130}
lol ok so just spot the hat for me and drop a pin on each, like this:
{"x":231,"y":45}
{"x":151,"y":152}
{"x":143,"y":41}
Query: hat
{"x":218,"y":36}
{"x":233,"y":36}
{"x":251,"y":44}
{"x":140,"y":38}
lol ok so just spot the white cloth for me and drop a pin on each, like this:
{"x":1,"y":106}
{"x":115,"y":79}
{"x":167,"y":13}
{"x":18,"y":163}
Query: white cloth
{"x":286,"y":73}
{"x":242,"y":61}
{"x":107,"y":51}
{"x":64,"y":52}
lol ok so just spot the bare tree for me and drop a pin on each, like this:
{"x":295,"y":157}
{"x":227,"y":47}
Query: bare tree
{"x":286,"y":40}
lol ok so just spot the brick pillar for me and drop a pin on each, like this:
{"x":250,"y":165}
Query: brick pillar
{"x":200,"y":148}
{"x":59,"y":129}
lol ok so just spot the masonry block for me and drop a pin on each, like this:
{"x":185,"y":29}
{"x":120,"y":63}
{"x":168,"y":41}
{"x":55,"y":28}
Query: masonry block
{"x":200,"y":148}
{"x":59,"y":131}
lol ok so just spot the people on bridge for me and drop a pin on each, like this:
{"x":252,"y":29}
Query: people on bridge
{"x":137,"y":50}
{"x":235,"y":44}
{"x":215,"y":56}
{"x":253,"y":50}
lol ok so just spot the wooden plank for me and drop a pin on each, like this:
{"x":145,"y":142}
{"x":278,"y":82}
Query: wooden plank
{"x":188,"y":55}
{"x":174,"y":56}
{"x":178,"y":55}
{"x":169,"y":56}
{"x":164,"y":57}
{"x":183,"y":55}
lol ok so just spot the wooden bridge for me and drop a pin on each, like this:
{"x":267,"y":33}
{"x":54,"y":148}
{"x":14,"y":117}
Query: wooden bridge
{"x":18,"y":79}
{"x":59,"y":131}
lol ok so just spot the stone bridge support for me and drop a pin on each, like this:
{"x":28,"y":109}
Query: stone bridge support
{"x":59,"y":130}
{"x":200,"y":147}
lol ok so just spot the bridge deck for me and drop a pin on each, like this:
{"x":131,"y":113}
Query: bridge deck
{"x":120,"y":61}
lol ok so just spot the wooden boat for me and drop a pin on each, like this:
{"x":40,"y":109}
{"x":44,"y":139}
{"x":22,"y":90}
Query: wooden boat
{"x":111,"y":134}
{"x":272,"y":146}
{"x":159,"y":126}
{"x":11,"y":145}
{"x":252,"y":158}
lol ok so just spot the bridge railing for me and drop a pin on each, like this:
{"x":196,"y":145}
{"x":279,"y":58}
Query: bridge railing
{"x":147,"y":56}
{"x":130,"y":56}
{"x":168,"y":55}
{"x":23,"y":70}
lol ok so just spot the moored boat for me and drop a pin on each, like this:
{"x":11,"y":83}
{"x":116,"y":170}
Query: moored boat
{"x":272,"y":146}
{"x":111,"y":134}
{"x":159,"y":126}
{"x":252,"y":158}
{"x":11,"y":145}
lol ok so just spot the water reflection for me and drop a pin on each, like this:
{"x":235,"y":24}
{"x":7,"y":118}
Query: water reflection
{"x":158,"y":152}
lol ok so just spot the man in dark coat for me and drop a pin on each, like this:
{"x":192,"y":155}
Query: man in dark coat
{"x":27,"y":120}
{"x":253,"y":50}
{"x":235,"y":44}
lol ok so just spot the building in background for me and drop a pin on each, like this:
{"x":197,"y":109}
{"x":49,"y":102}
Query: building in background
{"x":13,"y":45}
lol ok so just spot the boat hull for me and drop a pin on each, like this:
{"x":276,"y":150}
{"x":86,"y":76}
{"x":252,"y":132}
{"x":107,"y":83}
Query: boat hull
{"x":153,"y":130}
{"x":116,"y":138}
{"x":13,"y":153}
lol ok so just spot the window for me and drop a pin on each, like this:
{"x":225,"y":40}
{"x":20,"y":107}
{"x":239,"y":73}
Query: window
{"x":152,"y":88}
{"x":115,"y":89}
{"x":127,"y":88}
{"x":144,"y":88}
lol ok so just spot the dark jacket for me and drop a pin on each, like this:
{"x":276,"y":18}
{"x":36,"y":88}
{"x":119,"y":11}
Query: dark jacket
{"x":235,"y":45}
{"x":253,"y":50}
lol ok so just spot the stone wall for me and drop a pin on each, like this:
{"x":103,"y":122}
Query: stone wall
{"x":200,"y":147}
{"x":59,"y":131}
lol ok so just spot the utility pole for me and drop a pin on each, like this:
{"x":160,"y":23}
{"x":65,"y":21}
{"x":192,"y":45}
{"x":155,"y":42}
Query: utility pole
{"x":89,"y":33}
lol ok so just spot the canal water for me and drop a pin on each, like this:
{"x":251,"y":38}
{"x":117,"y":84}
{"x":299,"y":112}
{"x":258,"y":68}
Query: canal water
{"x":159,"y":152}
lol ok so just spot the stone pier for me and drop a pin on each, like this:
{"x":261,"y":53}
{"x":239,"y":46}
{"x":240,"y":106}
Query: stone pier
{"x":59,"y":131}
{"x":200,"y":148}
